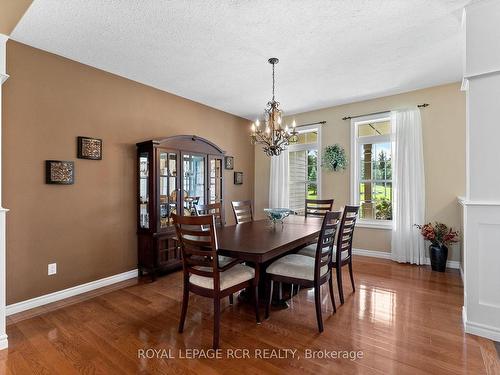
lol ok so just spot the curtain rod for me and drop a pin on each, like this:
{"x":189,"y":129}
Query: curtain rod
{"x":379,"y":113}
{"x":312,"y":123}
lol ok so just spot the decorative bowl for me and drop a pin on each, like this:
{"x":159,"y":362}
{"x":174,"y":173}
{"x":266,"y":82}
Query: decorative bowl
{"x":277,"y":214}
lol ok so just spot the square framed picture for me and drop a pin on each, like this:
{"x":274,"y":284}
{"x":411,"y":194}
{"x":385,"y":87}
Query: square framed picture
{"x":238,"y":178}
{"x":89,"y":148}
{"x":59,"y":172}
{"x":228,"y":162}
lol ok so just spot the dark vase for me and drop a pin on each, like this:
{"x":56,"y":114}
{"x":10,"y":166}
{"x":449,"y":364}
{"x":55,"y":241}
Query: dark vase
{"x":439,"y":255}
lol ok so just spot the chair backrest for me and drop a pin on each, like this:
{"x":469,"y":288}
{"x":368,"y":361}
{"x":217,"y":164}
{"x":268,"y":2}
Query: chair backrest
{"x":197,"y":237}
{"x":242,"y":211}
{"x":326,"y":241}
{"x":346,"y":233}
{"x":318,"y":207}
{"x":211,"y":209}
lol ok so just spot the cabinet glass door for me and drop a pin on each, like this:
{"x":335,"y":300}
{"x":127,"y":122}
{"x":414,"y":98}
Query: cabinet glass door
{"x":143,"y":190}
{"x":168,"y":188}
{"x":193,"y":182}
{"x":215,"y":180}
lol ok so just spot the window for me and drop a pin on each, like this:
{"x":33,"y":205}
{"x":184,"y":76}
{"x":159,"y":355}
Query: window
{"x":304,"y":162}
{"x":371,"y":169}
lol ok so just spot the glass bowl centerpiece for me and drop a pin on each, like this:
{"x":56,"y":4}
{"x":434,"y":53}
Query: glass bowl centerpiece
{"x":277,"y":214}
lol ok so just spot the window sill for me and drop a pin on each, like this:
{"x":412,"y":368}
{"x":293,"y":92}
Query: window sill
{"x":387,"y":225}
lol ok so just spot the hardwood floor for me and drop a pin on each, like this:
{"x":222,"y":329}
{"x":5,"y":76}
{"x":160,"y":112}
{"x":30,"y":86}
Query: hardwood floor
{"x":404,"y":319}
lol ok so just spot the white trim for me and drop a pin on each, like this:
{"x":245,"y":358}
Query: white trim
{"x":311,"y":146}
{"x":372,"y":253}
{"x":470,"y":76}
{"x":355,"y":142}
{"x":464,"y":316}
{"x":387,"y":255}
{"x":465,"y":202}
{"x":479,"y":329}
{"x":4,"y":343}
{"x":454,"y":264}
{"x":70,"y":292}
{"x":374,"y":224}
{"x":461,"y":272}
{"x":3,"y":212}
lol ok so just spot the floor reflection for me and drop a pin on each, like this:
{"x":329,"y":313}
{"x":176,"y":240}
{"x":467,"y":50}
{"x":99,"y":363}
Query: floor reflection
{"x":377,"y":305}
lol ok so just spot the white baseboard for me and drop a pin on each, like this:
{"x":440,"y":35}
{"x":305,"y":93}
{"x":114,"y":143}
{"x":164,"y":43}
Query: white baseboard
{"x":464,"y":316}
{"x":482,"y":330}
{"x":461,"y":272}
{"x":70,"y":292}
{"x":455,"y":264}
{"x":3,"y":342}
{"x":371,"y":253}
{"x":385,"y":255}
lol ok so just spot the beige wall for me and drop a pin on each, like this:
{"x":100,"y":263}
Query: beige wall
{"x":88,"y":228}
{"x":11,"y":12}
{"x":444,"y":156}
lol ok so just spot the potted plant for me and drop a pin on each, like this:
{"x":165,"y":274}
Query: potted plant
{"x":334,"y":158}
{"x":440,"y":236}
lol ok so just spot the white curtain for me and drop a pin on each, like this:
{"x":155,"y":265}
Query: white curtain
{"x":409,"y":186}
{"x":278,"y":182}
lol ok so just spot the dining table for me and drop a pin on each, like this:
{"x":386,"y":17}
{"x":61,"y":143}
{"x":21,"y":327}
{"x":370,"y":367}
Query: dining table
{"x":259,"y":242}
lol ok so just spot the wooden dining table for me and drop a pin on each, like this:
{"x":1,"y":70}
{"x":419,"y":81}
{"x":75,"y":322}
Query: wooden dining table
{"x":260,"y":241}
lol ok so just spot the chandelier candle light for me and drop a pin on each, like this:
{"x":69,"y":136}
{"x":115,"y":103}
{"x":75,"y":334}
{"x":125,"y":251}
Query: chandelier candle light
{"x":275,"y":137}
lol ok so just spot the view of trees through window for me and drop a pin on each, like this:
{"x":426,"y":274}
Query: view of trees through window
{"x":303,"y":170}
{"x":375,"y":181}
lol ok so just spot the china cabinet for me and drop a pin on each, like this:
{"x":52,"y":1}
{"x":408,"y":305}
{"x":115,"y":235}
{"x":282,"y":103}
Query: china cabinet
{"x":173,"y":176}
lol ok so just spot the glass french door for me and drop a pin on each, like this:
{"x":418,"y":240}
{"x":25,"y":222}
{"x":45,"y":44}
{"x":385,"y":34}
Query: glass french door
{"x":168,"y":188}
{"x":144,"y":201}
{"x":193,"y":182}
{"x":214,"y":179}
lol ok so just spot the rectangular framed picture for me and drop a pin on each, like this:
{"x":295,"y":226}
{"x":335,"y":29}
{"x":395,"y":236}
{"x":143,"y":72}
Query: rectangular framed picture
{"x":238,"y":178}
{"x":59,"y":172}
{"x":89,"y":148}
{"x":228,"y":162}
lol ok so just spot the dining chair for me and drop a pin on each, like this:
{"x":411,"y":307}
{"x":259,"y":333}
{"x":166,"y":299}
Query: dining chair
{"x":344,"y":242}
{"x":242,"y":211}
{"x":343,"y":250}
{"x":307,"y":271}
{"x":216,"y":210}
{"x":203,"y":274}
{"x":210,"y":209}
{"x":318,"y":207}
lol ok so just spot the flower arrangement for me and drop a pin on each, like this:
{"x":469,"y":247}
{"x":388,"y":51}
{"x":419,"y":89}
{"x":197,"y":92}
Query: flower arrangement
{"x":334,"y":158}
{"x":438,"y":233}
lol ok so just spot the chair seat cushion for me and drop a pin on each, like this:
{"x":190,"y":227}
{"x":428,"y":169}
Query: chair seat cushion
{"x":296,"y":266}
{"x":233,"y":276}
{"x":310,"y":251}
{"x":224,"y":260}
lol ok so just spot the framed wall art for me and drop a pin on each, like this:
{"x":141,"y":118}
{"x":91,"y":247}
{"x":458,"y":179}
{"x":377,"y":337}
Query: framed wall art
{"x":228,"y":162}
{"x":59,"y":172}
{"x":238,"y":178}
{"x":89,"y":148}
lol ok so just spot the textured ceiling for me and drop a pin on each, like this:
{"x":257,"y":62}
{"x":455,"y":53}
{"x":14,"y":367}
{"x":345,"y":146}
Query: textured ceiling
{"x":215,"y":51}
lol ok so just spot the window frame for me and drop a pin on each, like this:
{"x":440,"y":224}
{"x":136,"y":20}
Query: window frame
{"x":355,"y":158}
{"x":307,"y":147}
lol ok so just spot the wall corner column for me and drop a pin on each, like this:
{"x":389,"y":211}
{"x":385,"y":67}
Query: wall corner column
{"x":3,"y":211}
{"x":481,"y":206}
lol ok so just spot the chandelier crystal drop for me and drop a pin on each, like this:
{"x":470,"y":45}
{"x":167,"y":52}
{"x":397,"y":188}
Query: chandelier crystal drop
{"x":272,"y":135}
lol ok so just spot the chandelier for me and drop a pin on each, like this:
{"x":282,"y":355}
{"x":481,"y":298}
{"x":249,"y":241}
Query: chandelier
{"x":274,"y":137}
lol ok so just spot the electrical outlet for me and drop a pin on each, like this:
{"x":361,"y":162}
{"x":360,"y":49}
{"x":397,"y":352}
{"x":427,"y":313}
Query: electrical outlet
{"x":52,"y":269}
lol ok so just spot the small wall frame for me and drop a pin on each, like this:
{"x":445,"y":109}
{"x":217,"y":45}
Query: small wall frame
{"x":59,"y":172}
{"x":89,"y":148}
{"x":238,"y":178}
{"x":228,"y":162}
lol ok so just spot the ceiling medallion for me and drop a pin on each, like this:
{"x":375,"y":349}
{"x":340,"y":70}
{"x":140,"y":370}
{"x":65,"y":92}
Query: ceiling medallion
{"x":274,"y":138}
